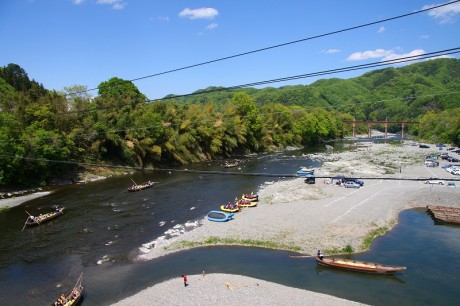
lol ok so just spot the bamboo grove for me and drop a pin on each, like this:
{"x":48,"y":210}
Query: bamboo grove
{"x":46,"y":134}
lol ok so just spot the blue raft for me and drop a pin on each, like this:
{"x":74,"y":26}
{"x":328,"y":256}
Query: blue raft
{"x":219,"y":216}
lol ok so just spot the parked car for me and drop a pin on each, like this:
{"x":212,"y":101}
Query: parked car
{"x":451,"y":185}
{"x":445,"y":155}
{"x":351,"y":184}
{"x":453,"y":159}
{"x":431,"y":163}
{"x":447,"y":166}
{"x":310,"y":180}
{"x":434,"y":182}
{"x":359,"y":182}
{"x":423,"y":146}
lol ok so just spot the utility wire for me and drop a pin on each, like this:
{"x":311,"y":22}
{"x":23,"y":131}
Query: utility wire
{"x":302,"y":76}
{"x":281,"y":45}
{"x":209,"y":172}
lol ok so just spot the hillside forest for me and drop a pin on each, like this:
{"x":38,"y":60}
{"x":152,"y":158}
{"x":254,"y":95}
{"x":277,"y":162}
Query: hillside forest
{"x":46,"y":134}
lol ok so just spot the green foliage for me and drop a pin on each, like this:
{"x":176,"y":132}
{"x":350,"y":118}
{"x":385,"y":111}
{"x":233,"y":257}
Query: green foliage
{"x":41,"y":130}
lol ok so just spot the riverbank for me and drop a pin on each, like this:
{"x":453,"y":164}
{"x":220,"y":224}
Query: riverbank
{"x":228,"y":289}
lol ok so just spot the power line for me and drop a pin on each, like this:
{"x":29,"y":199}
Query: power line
{"x":281,"y":45}
{"x":212,"y":172}
{"x":302,"y":76}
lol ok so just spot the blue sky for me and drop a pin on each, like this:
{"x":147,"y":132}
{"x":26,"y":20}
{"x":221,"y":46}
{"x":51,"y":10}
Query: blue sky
{"x":62,"y":43}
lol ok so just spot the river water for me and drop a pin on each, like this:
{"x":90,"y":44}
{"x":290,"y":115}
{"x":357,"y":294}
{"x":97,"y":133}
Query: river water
{"x":104,"y":226}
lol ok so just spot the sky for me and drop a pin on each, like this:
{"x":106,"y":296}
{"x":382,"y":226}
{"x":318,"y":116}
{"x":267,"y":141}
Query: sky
{"x":63,"y":43}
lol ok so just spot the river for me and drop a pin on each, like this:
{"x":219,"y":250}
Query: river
{"x":104,"y":226}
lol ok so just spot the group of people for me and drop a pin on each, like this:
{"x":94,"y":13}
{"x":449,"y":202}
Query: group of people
{"x":62,"y":300}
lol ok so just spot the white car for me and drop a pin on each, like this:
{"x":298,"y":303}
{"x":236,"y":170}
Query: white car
{"x":351,"y":184}
{"x":434,"y":182}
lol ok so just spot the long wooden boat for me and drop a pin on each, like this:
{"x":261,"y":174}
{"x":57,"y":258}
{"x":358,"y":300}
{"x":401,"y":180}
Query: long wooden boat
{"x":219,"y":216}
{"x":140,"y":187}
{"x":73,"y":297}
{"x":359,"y":266}
{"x":42,"y":218}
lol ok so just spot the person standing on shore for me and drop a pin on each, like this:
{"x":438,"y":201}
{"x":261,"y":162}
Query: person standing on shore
{"x":185,"y":280}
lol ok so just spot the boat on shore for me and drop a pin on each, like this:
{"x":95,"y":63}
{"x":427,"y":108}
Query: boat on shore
{"x":42,"y":218}
{"x":230,"y":164}
{"x":250,"y":197}
{"x":140,"y":187}
{"x":246,"y":203}
{"x":73,"y":297}
{"x":359,"y":266}
{"x":230,"y":208}
{"x":219,"y":216}
{"x":306,"y":172}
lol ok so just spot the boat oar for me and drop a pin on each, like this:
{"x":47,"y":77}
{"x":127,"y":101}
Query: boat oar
{"x":301,"y":256}
{"x":134,"y":182}
{"x":35,"y":219}
{"x":25,"y":223}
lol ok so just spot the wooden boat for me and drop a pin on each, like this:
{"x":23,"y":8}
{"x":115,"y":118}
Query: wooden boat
{"x":42,"y":218}
{"x":219,"y":216}
{"x":251,"y":197}
{"x":74,"y":297}
{"x":230,"y":208}
{"x":140,"y":187}
{"x":359,"y":266}
{"x":230,"y":165}
{"x":444,"y":214}
{"x":246,"y":203}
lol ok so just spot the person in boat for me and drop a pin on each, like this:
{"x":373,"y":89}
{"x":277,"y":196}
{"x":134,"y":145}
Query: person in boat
{"x":320,"y":255}
{"x":62,"y":300}
{"x":56,"y":207}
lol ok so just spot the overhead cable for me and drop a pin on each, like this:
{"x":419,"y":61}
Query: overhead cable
{"x":281,"y":45}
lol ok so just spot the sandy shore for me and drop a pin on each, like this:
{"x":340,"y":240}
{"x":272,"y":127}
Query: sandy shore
{"x":228,"y":289}
{"x":15,"y":201}
{"x":295,"y":216}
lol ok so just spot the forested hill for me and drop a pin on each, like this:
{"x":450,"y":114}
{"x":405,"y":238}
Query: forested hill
{"x":44,"y":133}
{"x":395,"y":93}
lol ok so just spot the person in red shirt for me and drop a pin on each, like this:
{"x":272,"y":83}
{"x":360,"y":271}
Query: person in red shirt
{"x":185,"y":280}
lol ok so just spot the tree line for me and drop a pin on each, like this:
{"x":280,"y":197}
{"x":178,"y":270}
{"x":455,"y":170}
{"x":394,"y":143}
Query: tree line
{"x":45,"y":133}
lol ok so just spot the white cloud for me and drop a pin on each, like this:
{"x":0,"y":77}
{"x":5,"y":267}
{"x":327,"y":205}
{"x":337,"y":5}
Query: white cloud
{"x":201,"y":13}
{"x":360,"y":56}
{"x":444,"y":14}
{"x":116,"y":4}
{"x":78,"y":2}
{"x":381,"y":30}
{"x":385,"y":55}
{"x":163,"y":18}
{"x":441,"y":56}
{"x":394,"y":56}
{"x":330,"y":51}
{"x":211,"y":26}
{"x":424,"y":36}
